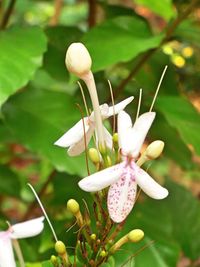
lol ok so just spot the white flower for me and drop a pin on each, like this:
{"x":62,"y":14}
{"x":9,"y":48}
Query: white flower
{"x":74,"y":138}
{"x":125,"y":176}
{"x":21,"y":230}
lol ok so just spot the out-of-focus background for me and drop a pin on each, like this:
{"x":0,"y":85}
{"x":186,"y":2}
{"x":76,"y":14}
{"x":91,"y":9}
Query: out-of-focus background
{"x":130,"y":42}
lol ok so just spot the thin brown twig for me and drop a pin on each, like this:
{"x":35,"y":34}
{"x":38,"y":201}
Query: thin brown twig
{"x":34,"y":204}
{"x":7,"y":14}
{"x":92,"y":11}
{"x":143,"y":59}
{"x":58,"y":8}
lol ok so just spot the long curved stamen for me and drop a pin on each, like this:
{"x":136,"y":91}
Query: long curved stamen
{"x":139,"y":104}
{"x":158,"y":87}
{"x":85,"y":141}
{"x":84,"y":100}
{"x":113,"y":105}
{"x":43,"y":210}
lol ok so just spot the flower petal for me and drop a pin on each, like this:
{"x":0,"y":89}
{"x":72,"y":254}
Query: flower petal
{"x":139,"y":132}
{"x":6,"y":251}
{"x":78,"y":147}
{"x":124,"y":127}
{"x":74,"y":134}
{"x":102,"y":179}
{"x":121,"y":196}
{"x":107,"y":138}
{"x":120,"y":106}
{"x":149,"y":185}
{"x":104,"y":112}
{"x":27,"y":229}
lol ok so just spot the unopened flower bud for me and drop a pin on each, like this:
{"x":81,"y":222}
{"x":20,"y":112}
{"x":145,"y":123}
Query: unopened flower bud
{"x":108,"y":161}
{"x":54,"y":261}
{"x":93,"y":236}
{"x":115,"y":141}
{"x":103,"y":253}
{"x":73,"y":206}
{"x":94,"y":155}
{"x":135,"y":235}
{"x":78,"y":60}
{"x":60,"y":247}
{"x":154,"y":150}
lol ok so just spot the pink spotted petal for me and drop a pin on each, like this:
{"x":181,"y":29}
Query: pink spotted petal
{"x":121,"y":196}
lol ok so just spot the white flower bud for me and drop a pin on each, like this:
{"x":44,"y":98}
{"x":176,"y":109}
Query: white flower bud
{"x":78,"y":60}
{"x":154,"y":150}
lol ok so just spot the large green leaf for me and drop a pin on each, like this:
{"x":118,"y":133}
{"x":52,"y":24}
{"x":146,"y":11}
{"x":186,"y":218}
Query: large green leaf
{"x":21,"y":51}
{"x":37,"y":118}
{"x":162,"y":8}
{"x":59,"y":38}
{"x":119,"y":40}
{"x":181,"y":115}
{"x":185,"y":211}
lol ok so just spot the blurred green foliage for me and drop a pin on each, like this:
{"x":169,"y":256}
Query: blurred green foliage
{"x":130,"y":43}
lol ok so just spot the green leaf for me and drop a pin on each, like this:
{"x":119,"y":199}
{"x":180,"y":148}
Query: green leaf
{"x":189,"y":32}
{"x":59,"y":38}
{"x":180,"y":153}
{"x":9,"y":182}
{"x":47,"y":264}
{"x":37,"y":118}
{"x":119,"y":40}
{"x":185,"y":212}
{"x":181,"y":115}
{"x":162,"y":8}
{"x":21,"y":51}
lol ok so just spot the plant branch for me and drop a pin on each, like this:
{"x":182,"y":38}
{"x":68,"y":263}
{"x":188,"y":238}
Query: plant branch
{"x":7,"y":14}
{"x":58,"y":8}
{"x":169,"y":32}
{"x":92,"y":8}
{"x":34,"y":204}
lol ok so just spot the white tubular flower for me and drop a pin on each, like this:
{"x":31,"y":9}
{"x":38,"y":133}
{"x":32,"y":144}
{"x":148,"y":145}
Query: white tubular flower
{"x":74,"y":138}
{"x":78,"y":60}
{"x":21,"y":230}
{"x":125,"y":176}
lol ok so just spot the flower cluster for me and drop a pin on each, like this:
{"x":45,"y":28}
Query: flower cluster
{"x":124,"y":176}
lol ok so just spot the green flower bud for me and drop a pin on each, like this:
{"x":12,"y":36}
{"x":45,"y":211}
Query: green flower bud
{"x":102,"y":149}
{"x":103,"y":253}
{"x":60,"y":247}
{"x":78,"y":60}
{"x":107,"y":161}
{"x":135,"y":235}
{"x":115,"y":141}
{"x":93,"y":236}
{"x":94,"y":155}
{"x":54,"y":260}
{"x":154,"y":150}
{"x":73,"y":206}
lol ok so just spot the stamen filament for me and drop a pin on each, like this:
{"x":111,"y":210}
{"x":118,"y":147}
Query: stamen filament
{"x":43,"y":210}
{"x":84,"y":100}
{"x":158,"y":87}
{"x":113,"y":104}
{"x":139,"y":104}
